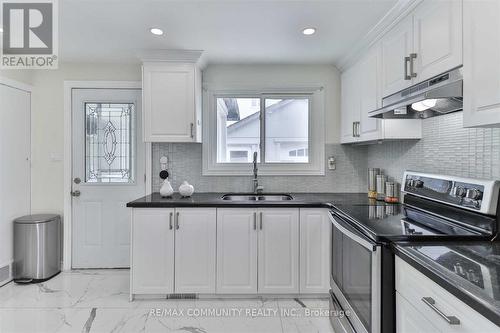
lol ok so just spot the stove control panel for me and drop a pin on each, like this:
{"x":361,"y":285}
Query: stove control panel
{"x":473,"y":194}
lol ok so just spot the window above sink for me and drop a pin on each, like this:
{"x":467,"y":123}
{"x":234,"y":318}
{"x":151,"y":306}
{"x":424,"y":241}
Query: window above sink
{"x":285,"y":127}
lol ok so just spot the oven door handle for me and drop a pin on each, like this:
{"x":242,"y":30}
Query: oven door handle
{"x":358,"y":239}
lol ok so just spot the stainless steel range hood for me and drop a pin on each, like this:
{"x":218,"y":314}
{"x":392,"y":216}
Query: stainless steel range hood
{"x":437,"y":96}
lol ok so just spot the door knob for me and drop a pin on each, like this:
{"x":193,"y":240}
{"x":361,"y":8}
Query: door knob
{"x":75,"y":193}
{"x":77,"y":180}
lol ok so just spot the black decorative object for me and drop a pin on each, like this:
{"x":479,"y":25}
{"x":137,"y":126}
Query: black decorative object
{"x":163,"y":174}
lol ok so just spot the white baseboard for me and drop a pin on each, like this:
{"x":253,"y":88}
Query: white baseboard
{"x":5,"y":272}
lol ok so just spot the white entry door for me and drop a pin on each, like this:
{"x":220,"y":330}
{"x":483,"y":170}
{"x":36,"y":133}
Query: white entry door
{"x":108,"y":171}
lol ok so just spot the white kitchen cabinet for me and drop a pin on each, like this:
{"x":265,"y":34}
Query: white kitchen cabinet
{"x":413,"y":286}
{"x":349,"y":106}
{"x":426,"y":43}
{"x":396,"y":45}
{"x":360,"y":95}
{"x":369,"y":129}
{"x":172,"y":102}
{"x":152,"y":264}
{"x":315,"y":251}
{"x":409,"y":320}
{"x":257,"y":251}
{"x":195,"y":250}
{"x":236,"y":251}
{"x":437,"y":37}
{"x":173,"y":250}
{"x":278,"y":254}
{"x":481,"y":71}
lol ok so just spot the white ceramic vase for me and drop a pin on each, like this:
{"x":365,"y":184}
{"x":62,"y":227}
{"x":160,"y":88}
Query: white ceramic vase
{"x":186,"y":189}
{"x":166,"y":189}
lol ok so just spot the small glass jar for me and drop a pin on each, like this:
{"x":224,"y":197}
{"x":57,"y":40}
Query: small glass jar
{"x":391,"y":193}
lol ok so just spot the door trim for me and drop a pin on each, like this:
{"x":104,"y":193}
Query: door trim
{"x":68,"y":87}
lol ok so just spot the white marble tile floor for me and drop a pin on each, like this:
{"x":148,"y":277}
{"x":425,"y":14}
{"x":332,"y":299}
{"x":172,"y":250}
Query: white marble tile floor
{"x":98,"y":301}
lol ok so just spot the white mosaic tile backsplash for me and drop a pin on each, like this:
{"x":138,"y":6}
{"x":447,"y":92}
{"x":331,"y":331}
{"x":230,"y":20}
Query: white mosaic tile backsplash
{"x":185,"y":164}
{"x":446,"y":148}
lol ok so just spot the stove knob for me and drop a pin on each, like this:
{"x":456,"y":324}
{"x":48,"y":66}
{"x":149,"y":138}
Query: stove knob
{"x":419,"y":183}
{"x":474,"y":194}
{"x":459,"y":191}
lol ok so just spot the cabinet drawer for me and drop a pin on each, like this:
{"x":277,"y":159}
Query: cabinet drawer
{"x":414,"y":286}
{"x":409,"y":320}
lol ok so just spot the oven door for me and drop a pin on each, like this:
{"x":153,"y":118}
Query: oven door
{"x":355,"y":275}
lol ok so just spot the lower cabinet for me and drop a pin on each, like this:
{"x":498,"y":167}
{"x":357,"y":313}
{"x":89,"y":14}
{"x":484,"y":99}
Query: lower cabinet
{"x":424,"y":306}
{"x":409,"y":320}
{"x":315,"y":251}
{"x":152,"y":247}
{"x":195,"y":239}
{"x":230,"y":251}
{"x":257,"y":251}
{"x":178,"y":240}
{"x":278,"y":255}
{"x":236,"y":251}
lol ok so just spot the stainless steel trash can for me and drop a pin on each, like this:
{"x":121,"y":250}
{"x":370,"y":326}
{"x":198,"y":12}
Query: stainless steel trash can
{"x":37,"y":247}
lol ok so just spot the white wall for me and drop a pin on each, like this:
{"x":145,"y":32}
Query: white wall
{"x":278,"y":76}
{"x":47,"y":124}
{"x":47,"y":108}
{"x":23,"y":76}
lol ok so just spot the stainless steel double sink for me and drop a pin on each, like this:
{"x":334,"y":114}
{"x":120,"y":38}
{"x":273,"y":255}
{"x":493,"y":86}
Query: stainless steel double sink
{"x":257,"y":197}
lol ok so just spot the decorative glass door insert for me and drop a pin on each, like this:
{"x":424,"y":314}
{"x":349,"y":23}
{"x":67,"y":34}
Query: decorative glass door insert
{"x":109,"y":148}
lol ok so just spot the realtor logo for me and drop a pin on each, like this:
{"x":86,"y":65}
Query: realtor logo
{"x":29,"y":34}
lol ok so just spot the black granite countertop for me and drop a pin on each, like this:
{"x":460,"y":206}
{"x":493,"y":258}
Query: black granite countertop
{"x":326,"y":200}
{"x":478,"y":284}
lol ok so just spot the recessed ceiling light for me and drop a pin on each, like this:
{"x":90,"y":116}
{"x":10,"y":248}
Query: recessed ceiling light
{"x":156,"y":31}
{"x":1,"y":30}
{"x":309,"y":31}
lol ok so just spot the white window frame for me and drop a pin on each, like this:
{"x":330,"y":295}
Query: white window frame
{"x":316,"y":164}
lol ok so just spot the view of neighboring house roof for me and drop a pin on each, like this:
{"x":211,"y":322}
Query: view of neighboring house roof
{"x":280,"y":106}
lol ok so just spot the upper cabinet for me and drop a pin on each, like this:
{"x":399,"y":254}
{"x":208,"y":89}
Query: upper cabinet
{"x":425,"y":43}
{"x":361,"y":86}
{"x":171,"y":102}
{"x":397,"y":45}
{"x":481,"y":71}
{"x":437,"y":38}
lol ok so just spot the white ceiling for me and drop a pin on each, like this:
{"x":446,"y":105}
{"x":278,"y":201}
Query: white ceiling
{"x":228,"y":31}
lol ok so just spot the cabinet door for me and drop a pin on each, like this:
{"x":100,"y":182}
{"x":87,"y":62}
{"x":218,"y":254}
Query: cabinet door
{"x":195,"y":239}
{"x":278,"y":250}
{"x":315,"y":251}
{"x":369,"y":85}
{"x":437,"y":38}
{"x":481,"y":70}
{"x":169,"y":102}
{"x":396,"y":45}
{"x":409,"y":320}
{"x":350,"y":104}
{"x":236,"y":251}
{"x":152,"y":265}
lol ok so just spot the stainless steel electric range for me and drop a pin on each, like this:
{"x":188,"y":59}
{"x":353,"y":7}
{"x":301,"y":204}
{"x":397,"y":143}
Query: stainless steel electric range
{"x":436,"y":208}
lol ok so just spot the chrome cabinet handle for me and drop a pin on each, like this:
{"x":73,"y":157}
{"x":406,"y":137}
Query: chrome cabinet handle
{"x":192,"y":130}
{"x":260,"y":220}
{"x":254,"y":221}
{"x":357,"y":129}
{"x":75,"y":193}
{"x":430,"y":302}
{"x":413,"y":56}
{"x":407,"y":60}
{"x":170,"y":221}
{"x":177,"y":221}
{"x":353,"y":129}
